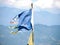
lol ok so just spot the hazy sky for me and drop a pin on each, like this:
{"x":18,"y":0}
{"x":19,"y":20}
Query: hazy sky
{"x":45,"y":11}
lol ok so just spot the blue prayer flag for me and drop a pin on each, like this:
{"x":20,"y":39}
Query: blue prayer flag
{"x":24,"y":21}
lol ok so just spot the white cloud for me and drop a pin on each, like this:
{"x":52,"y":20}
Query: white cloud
{"x":17,"y":3}
{"x":48,"y":3}
{"x":7,"y":2}
{"x":44,"y":3}
{"x":26,"y":3}
{"x":57,"y":3}
{"x":52,"y":6}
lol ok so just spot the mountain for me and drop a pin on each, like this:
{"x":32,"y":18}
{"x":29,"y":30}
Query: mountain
{"x":47,"y":35}
{"x":6,"y":38}
{"x":43,"y":35}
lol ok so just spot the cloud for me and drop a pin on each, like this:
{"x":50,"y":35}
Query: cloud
{"x":57,"y":3}
{"x":19,"y":4}
{"x":16,"y":3}
{"x":51,"y":6}
{"x":48,"y":3}
{"x":44,"y":3}
{"x":7,"y":2}
{"x":26,"y":3}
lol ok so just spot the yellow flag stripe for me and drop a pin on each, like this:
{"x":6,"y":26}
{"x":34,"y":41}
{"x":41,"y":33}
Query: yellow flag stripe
{"x":31,"y":39}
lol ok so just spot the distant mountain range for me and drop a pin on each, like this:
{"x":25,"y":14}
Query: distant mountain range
{"x":53,"y":30}
{"x":46,"y":34}
{"x":43,"y":34}
{"x":37,"y":26}
{"x":53,"y":27}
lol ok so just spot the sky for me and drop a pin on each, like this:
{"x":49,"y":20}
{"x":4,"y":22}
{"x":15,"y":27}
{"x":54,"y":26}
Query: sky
{"x":46,"y":10}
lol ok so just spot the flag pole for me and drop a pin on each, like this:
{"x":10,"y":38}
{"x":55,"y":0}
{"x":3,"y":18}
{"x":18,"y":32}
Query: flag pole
{"x":31,"y":37}
{"x":33,"y":25}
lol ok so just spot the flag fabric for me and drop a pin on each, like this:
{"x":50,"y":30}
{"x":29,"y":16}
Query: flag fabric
{"x":31,"y":39}
{"x":24,"y":20}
